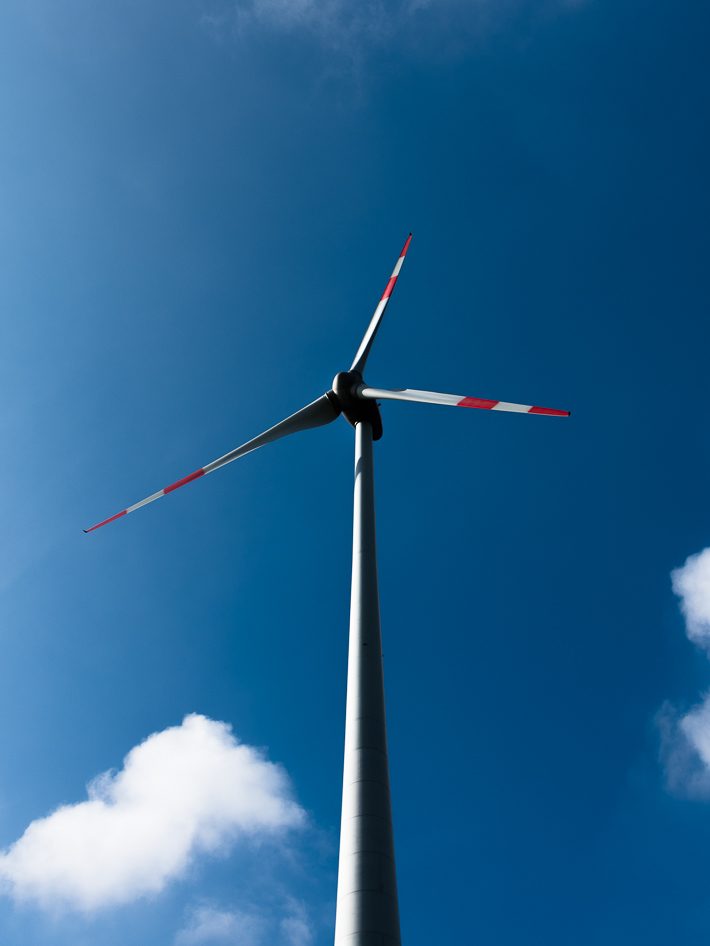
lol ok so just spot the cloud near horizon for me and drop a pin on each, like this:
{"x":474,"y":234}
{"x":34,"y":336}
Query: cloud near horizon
{"x":188,"y":790}
{"x":685,"y":737}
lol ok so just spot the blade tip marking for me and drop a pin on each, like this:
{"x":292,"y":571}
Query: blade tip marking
{"x":106,"y":521}
{"x":549,"y":411}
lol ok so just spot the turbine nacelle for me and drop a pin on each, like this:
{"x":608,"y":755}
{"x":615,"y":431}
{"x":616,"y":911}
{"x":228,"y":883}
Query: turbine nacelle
{"x":353,"y":406}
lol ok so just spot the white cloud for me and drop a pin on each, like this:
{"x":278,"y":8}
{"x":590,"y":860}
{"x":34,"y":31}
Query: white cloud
{"x":685,"y":749}
{"x":691,"y":583}
{"x":187,"y":790}
{"x":685,"y":737}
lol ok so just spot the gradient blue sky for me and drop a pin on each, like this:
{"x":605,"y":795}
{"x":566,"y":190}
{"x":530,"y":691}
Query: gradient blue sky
{"x":200,"y":204}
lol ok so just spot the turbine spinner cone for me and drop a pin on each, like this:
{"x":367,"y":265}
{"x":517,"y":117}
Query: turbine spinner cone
{"x":355,"y":409}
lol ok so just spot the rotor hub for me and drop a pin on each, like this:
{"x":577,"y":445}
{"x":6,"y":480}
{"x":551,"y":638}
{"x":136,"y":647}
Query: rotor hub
{"x":355,"y":408}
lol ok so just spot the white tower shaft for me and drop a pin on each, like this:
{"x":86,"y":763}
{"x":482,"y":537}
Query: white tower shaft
{"x":367,"y":913}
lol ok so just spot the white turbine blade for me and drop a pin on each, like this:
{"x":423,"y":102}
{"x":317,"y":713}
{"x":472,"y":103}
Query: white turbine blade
{"x":319,"y":412}
{"x":369,"y":336}
{"x":455,"y":400}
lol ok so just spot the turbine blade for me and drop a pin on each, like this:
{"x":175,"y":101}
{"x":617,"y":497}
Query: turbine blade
{"x":455,"y":400}
{"x":319,"y":412}
{"x":369,"y":336}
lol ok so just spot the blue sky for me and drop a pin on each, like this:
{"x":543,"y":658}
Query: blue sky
{"x":200,"y":203}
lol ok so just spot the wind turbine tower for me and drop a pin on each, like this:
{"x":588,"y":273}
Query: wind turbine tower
{"x":367,"y":912}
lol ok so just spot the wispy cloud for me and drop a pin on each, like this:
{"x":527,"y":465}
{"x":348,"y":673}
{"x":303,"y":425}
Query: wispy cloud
{"x":348,"y":27}
{"x":285,"y":924}
{"x":210,"y":925}
{"x":295,"y":926}
{"x":337,"y":24}
{"x":185,"y":791}
{"x":685,"y":737}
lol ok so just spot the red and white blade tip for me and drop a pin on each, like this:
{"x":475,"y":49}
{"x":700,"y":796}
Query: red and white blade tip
{"x":457,"y":400}
{"x":486,"y":405}
{"x":395,"y":272}
{"x":149,"y":499}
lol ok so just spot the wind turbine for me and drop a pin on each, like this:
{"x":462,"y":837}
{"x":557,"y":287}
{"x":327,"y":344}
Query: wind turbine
{"x":367,"y":912}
